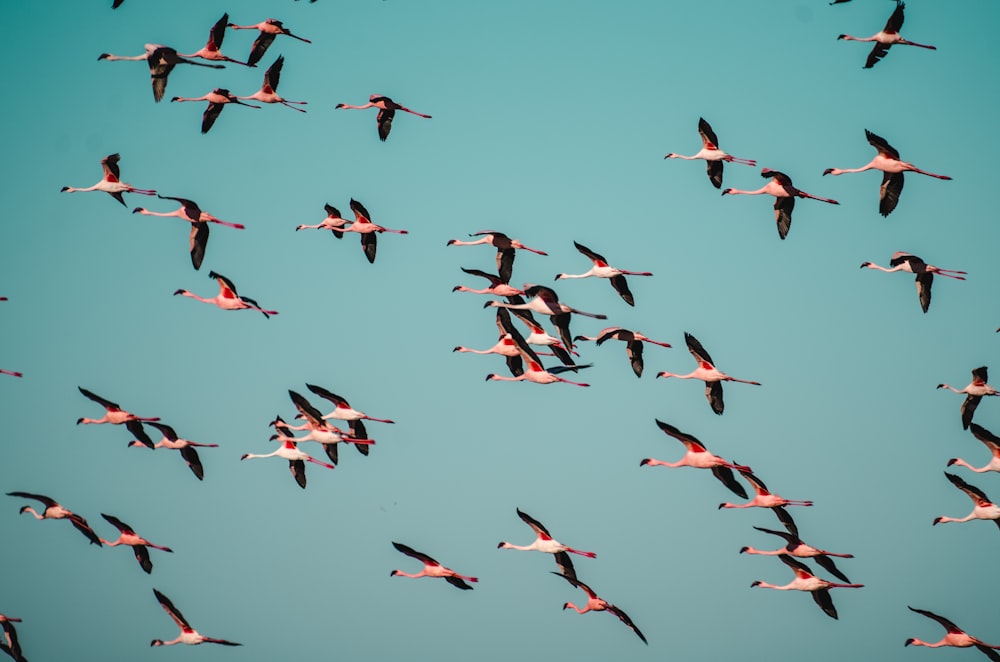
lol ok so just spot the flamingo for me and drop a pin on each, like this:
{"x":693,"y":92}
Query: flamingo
{"x":188,"y":634}
{"x":363,"y":225}
{"x":115,"y":415}
{"x":296,"y":459}
{"x":956,"y":636}
{"x":697,"y":456}
{"x":505,"y":346}
{"x":386,"y":111}
{"x":269,"y":29}
{"x":12,"y":646}
{"x":708,"y":373}
{"x":925,"y":273}
{"x":888,"y":36}
{"x":505,"y":249}
{"x":217,"y":99}
{"x":432,"y":569}
{"x":983,"y":509}
{"x":53,"y":510}
{"x":795,"y":547}
{"x":129,"y":537}
{"x":12,"y":373}
{"x":544,"y":542}
{"x":545,"y":301}
{"x":186,"y":447}
{"x":111,"y":182}
{"x":887,"y":160}
{"x":210,"y":51}
{"x":227,"y":298}
{"x":199,"y":220}
{"x":764,"y":499}
{"x":633,"y":344}
{"x":602,"y":269}
{"x":784,"y":193}
{"x":161,"y":60}
{"x":710,"y":152}
{"x":343,"y":412}
{"x":534,"y":372}
{"x":333,"y":221}
{"x":975,"y":391}
{"x":991,"y":441}
{"x":806,"y":581}
{"x":498,"y":286}
{"x":539,"y":336}
{"x":268,"y":92}
{"x":325,"y":433}
{"x":595,"y":603}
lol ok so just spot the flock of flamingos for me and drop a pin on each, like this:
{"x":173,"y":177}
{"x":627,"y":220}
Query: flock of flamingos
{"x":515,"y":342}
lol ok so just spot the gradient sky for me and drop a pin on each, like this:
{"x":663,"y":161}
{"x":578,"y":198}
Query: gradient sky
{"x":550,"y":122}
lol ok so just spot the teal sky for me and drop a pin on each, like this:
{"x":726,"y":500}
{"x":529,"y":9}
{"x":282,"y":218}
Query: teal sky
{"x":550,"y":123}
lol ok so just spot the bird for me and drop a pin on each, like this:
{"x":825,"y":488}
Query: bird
{"x":697,"y":456}
{"x":386,"y":111}
{"x":975,"y":391}
{"x":633,"y":344}
{"x":186,"y":447}
{"x":12,"y":646}
{"x":991,"y":441}
{"x":544,"y":542}
{"x":129,"y":537}
{"x":227,"y":298}
{"x":505,"y":249}
{"x":710,"y":152}
{"x":217,"y":100}
{"x":708,"y":373}
{"x":343,"y":412}
{"x":498,"y":286}
{"x":795,"y":547}
{"x":806,"y":581}
{"x":887,"y":160}
{"x":534,"y":372}
{"x":269,"y":29}
{"x":199,"y":220}
{"x":53,"y":510}
{"x":888,"y":36}
{"x":210,"y":51}
{"x":325,"y":433}
{"x":296,"y":459}
{"x":161,"y":60}
{"x":333,"y":222}
{"x":432,"y":569}
{"x":188,"y":634}
{"x":595,"y":603}
{"x":601,"y":269}
{"x":505,"y":346}
{"x":268,"y":92}
{"x":784,"y":193}
{"x":764,"y":499}
{"x":538,"y":335}
{"x":12,"y":373}
{"x":545,"y":301}
{"x":115,"y":415}
{"x":902,"y":261}
{"x":956,"y":636}
{"x":983,"y":509}
{"x":363,"y":225}
{"x":111,"y":182}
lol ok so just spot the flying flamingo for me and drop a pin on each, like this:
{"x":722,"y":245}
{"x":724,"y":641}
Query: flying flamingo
{"x":186,"y":447}
{"x":343,"y":411}
{"x":498,"y":287}
{"x":806,"y":581}
{"x":595,"y":603}
{"x":538,"y":335}
{"x":161,"y":60}
{"x":227,"y":298}
{"x":217,"y":99}
{"x":764,"y":499}
{"x":784,"y":194}
{"x":505,"y":249}
{"x":199,"y":220}
{"x":327,"y":435}
{"x":115,"y":415}
{"x":322,"y":432}
{"x":887,"y":160}
{"x":925,"y":273}
{"x":333,"y":221}
{"x":12,"y":646}
{"x":545,"y":301}
{"x":296,"y":460}
{"x":269,"y":29}
{"x":888,"y":36}
{"x":795,"y":547}
{"x":363,"y":225}
{"x":984,"y":508}
{"x":534,"y":371}
{"x":432,"y":569}
{"x":956,"y":636}
{"x":386,"y":111}
{"x":711,"y":153}
{"x":111,"y":183}
{"x":268,"y":92}
{"x":974,"y":393}
{"x":707,"y":372}
{"x":544,"y":542}
{"x":188,"y":634}
{"x":505,"y":346}
{"x":633,"y":344}
{"x":53,"y":510}
{"x":697,"y":456}
{"x":138,"y":544}
{"x":11,"y":373}
{"x":210,"y":51}
{"x":991,"y":441}
{"x":602,"y":269}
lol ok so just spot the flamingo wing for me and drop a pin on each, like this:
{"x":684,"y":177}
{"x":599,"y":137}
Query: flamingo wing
{"x":783,"y":215}
{"x":882,"y":145}
{"x":565,"y":565}
{"x":785,"y":518}
{"x":361,"y":214}
{"x":924,"y":282}
{"x":420,"y":556}
{"x":210,"y":115}
{"x":458,"y":582}
{"x":888,"y":194}
{"x":190,"y":456}
{"x":726,"y":477}
{"x":577,"y":583}
{"x":191,"y":208}
{"x":260,"y":46}
{"x":825,"y":602}
{"x":634,"y":351}
{"x":714,"y":169}
{"x":713,"y":391}
{"x":217,"y":33}
{"x":827,"y":563}
{"x":160,"y":65}
{"x":369,"y":244}
{"x":142,"y":556}
{"x":968,"y":409}
{"x":915,"y":264}
{"x":358,"y":431}
{"x":878,"y":52}
{"x":944,"y":622}
{"x":305,"y":408}
{"x":81,"y":525}
{"x":895,"y":21}
{"x":46,"y":501}
{"x":988,"y":652}
{"x":273,"y":74}
{"x":621,"y":286}
{"x":623,"y":617}
{"x":107,"y":404}
{"x":165,"y":430}
{"x":697,"y":351}
{"x":384,"y":123}
{"x":328,"y":395}
{"x":515,"y":365}
{"x":690,"y":441}
{"x":118,"y":524}
{"x":535,"y":525}
{"x":198,"y":241}
{"x":613,"y":333}
{"x":708,"y":137}
{"x":110,"y":166}
{"x":790,"y":539}
{"x":981,"y":375}
{"x":505,"y":263}
{"x":173,"y":611}
{"x":977,"y":495}
{"x":982,"y":434}
{"x":597,"y":258}
{"x":494,"y":280}
{"x":561,"y":322}
{"x":14,"y":649}
{"x":331,"y":452}
{"x":298,"y":469}
{"x":226,"y":288}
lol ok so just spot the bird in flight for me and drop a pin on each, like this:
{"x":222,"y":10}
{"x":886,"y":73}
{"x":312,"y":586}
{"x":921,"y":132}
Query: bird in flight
{"x":710,"y":152}
{"x":886,"y":37}
{"x":925,"y":273}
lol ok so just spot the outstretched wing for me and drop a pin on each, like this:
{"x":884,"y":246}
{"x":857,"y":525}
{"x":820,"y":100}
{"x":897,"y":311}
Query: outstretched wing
{"x":882,"y":145}
{"x":727,"y":478}
{"x":621,"y":286}
{"x":877,"y":53}
{"x":597,"y":258}
{"x":226,"y":288}
{"x":174,"y":613}
{"x":888,"y":194}
{"x":458,"y":583}
{"x":945,"y":623}
{"x":118,"y":524}
{"x":697,"y":351}
{"x":273,"y":74}
{"x":46,"y":501}
{"x":713,"y":391}
{"x":107,"y":404}
{"x":420,"y":556}
{"x":384,"y":122}
{"x":305,"y":408}
{"x":783,"y":215}
{"x":623,"y":617}
{"x":924,"y":282}
{"x":198,"y":242}
{"x":825,"y":602}
{"x":328,"y":395}
{"x":977,"y":495}
{"x":537,"y":526}
{"x":190,"y":455}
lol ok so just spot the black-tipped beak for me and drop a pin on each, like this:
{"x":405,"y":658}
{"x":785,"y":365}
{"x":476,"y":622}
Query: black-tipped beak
{"x":644,"y":462}
{"x":743,"y":550}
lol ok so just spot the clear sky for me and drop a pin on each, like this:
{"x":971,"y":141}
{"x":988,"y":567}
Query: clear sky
{"x":550,"y":123}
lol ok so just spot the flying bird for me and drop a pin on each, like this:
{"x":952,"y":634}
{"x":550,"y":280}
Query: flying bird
{"x":210,"y":51}
{"x":991,"y":441}
{"x":186,"y":447}
{"x":697,"y":456}
{"x":633,"y":344}
{"x":129,"y":537}
{"x":296,"y":460}
{"x":199,"y":220}
{"x":596,"y":603}
{"x":217,"y":100}
{"x":975,"y":391}
{"x":111,"y":182}
{"x":534,"y":372}
{"x":505,"y":249}
{"x":333,"y":222}
{"x":269,"y":29}
{"x":544,"y":542}
{"x":708,"y":373}
{"x":885,"y":38}
{"x":161,"y":60}
{"x":115,"y":415}
{"x":983,"y":508}
{"x":505,"y":346}
{"x":325,"y":433}
{"x":227,"y":298}
{"x":806,"y":581}
{"x":432,"y":569}
{"x":53,"y":510}
{"x":369,"y":231}
{"x":925,"y":273}
{"x":710,"y":152}
{"x":765,"y":499}
{"x":188,"y":634}
{"x":344,"y":412}
{"x":956,"y":637}
{"x":602,"y":269}
{"x":795,"y":547}
{"x":784,"y":194}
{"x":12,"y":646}
{"x":545,"y":301}
{"x":498,"y":287}
{"x":386,"y":111}
{"x":268,"y":92}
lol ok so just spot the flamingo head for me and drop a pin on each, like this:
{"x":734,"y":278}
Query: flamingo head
{"x":156,"y":642}
{"x":644,"y":461}
{"x":558,"y":276}
{"x":936,"y":521}
{"x":394,"y":573}
{"x":451,"y":241}
{"x":829,"y":171}
{"x":490,"y":376}
{"x":79,"y":420}
{"x":743,"y":550}
{"x":503,"y":545}
{"x":457,"y":349}
{"x":103,"y":56}
{"x":671,"y":155}
{"x":909,"y":641}
{"x":756,"y":583}
{"x":64,"y":189}
{"x":340,"y":105}
{"x":865,"y":264}
{"x":952,"y":461}
{"x":179,"y":292}
{"x":138,"y":210}
{"x":726,"y":190}
{"x":245,"y":456}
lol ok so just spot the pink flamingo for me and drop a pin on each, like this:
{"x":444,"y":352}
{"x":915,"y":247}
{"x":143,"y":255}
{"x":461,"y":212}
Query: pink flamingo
{"x":991,"y":441}
{"x":363,"y":225}
{"x":975,"y":391}
{"x":698,"y":457}
{"x":188,"y":634}
{"x":498,"y":286}
{"x":544,"y":542}
{"x":343,"y":410}
{"x":505,"y":249}
{"x":217,"y":100}
{"x":210,"y":51}
{"x":710,"y":152}
{"x":432,"y":569}
{"x":186,"y":447}
{"x":596,"y":603}
{"x":806,"y":581}
{"x":545,"y":301}
{"x":539,"y":336}
{"x":161,"y":60}
{"x":329,"y":435}
{"x":983,"y":509}
{"x":708,"y":373}
{"x":268,"y":92}
{"x":199,"y":220}
{"x":12,"y":646}
{"x":227,"y":298}
{"x":633,"y":344}
{"x":534,"y":371}
{"x":386,"y":111}
{"x":115,"y":415}
{"x":764,"y":499}
{"x":296,"y":460}
{"x":333,"y":222}
{"x":887,"y":160}
{"x":784,"y":193}
{"x":269,"y":29}
{"x":955,"y":636}
{"x":53,"y":510}
{"x":505,"y":346}
{"x":602,"y":269}
{"x":885,"y":38}
{"x":795,"y":547}
{"x":925,"y":273}
{"x":129,"y":537}
{"x":111,"y":182}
